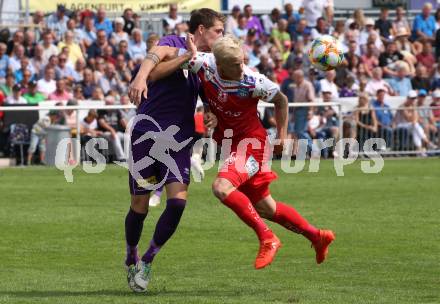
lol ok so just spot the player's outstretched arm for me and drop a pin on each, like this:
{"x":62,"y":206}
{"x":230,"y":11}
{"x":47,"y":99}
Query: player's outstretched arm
{"x":281,"y":113}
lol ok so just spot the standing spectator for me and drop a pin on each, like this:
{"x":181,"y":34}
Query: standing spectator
{"x":388,"y":60}
{"x":57,"y":22}
{"x":303,"y":93}
{"x":241,"y":30}
{"x":4,"y":62}
{"x":279,"y":71}
{"x":47,"y":84}
{"x":377,"y":83}
{"x":61,"y":93}
{"x":313,"y":9}
{"x":421,"y":80}
{"x":384,"y":117}
{"x":424,"y":25}
{"x":426,"y":57}
{"x":111,"y":81}
{"x":401,"y":22}
{"x":75,"y":52}
{"x":170,"y":21}
{"x":128,"y":21}
{"x":49,"y":49}
{"x":328,"y":84}
{"x":401,"y":84}
{"x":33,"y":96}
{"x":118,"y":35}
{"x":426,"y":117}
{"x":365,"y":119}
{"x":253,"y":22}
{"x":102,"y":22}
{"x":16,"y":97}
{"x":97,"y":47}
{"x":384,"y":25}
{"x":270,"y":21}
{"x":38,"y":138}
{"x":232,"y":19}
{"x":436,"y":110}
{"x":136,"y":46}
{"x":88,"y":33}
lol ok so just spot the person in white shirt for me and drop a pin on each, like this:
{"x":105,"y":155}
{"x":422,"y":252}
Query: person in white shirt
{"x":137,"y":48}
{"x":49,"y":48}
{"x":16,"y":97}
{"x":313,"y":9}
{"x":377,"y":83}
{"x":47,"y":84}
{"x":170,"y":22}
{"x":270,"y":21}
{"x":118,"y":35}
{"x":328,"y":84}
{"x":232,"y":20}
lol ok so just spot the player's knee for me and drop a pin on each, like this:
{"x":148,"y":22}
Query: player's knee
{"x":220,"y":189}
{"x":139,"y":203}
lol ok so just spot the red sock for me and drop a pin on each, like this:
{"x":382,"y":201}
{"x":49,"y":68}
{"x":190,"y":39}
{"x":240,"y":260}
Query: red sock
{"x":242,"y":206}
{"x":289,"y":218}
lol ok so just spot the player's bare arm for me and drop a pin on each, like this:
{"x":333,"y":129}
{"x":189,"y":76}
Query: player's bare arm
{"x":281,"y":114}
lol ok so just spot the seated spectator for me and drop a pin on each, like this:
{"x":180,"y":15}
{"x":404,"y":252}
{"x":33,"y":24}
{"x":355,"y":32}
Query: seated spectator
{"x":320,"y":29}
{"x":15,"y":59}
{"x":384,"y":25}
{"x":49,"y":49}
{"x":108,"y":55}
{"x":88,"y":33}
{"x":4,"y":61}
{"x":370,"y":60}
{"x":406,"y":119}
{"x":401,"y":22}
{"x":329,"y":116}
{"x":25,"y":68}
{"x":118,"y":35}
{"x":388,"y":60}
{"x":241,"y":30}
{"x":253,"y":22}
{"x":102,"y":22}
{"x":17,"y":39}
{"x":38,"y":138}
{"x":365,"y":119}
{"x":136,"y":46}
{"x":109,"y":122}
{"x":401,"y":84}
{"x":89,"y":127}
{"x":76,"y":31}
{"x":29,"y":44}
{"x":328,"y":84}
{"x":97,"y":94}
{"x":75,"y":52}
{"x":78,"y":93}
{"x":426,"y":57}
{"x":377,"y":83}
{"x":37,"y":61}
{"x":254,"y":55}
{"x":33,"y":96}
{"x":79,"y":70}
{"x":232,"y":19}
{"x":64,"y":70}
{"x":264,"y":67}
{"x":96,"y":49}
{"x":281,"y":38}
{"x":369,"y":34}
{"x":421,"y":79}
{"x":349,"y":87}
{"x":424,"y":25}
{"x":99,"y":68}
{"x":111,"y":81}
{"x":279,"y":71}
{"x":88,"y":83}
{"x":16,"y":97}
{"x":47,"y":84}
{"x":301,"y":30}
{"x":153,"y":40}
{"x":170,"y":21}
{"x":57,"y":22}
{"x":384,"y":118}
{"x":270,"y":21}
{"x":426,"y":116}
{"x":403,"y":44}
{"x":24,"y":83}
{"x":123,"y":49}
{"x":126,"y":114}
{"x":61,"y":93}
{"x":6,"y":88}
{"x":122,"y":69}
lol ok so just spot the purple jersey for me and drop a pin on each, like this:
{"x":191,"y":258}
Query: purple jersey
{"x":171,"y":100}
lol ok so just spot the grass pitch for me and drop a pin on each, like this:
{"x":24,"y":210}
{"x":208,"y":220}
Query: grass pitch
{"x":64,"y":243}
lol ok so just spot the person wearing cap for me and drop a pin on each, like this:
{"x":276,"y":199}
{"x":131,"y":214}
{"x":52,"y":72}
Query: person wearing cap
{"x":16,"y":97}
{"x":57,"y":22}
{"x":384,"y":117}
{"x":424,"y":24}
{"x":33,"y":96}
{"x":401,"y":84}
{"x":384,"y":25}
{"x":370,"y":34}
{"x":102,"y":22}
{"x":171,"y":20}
{"x":118,"y":35}
{"x":407,"y":123}
{"x":232,"y":19}
{"x":426,"y":117}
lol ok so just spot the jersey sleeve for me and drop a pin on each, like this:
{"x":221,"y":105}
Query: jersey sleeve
{"x":265,"y":89}
{"x":199,"y":62}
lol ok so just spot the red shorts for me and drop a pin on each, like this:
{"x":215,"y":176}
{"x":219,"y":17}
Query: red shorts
{"x":249,"y":173}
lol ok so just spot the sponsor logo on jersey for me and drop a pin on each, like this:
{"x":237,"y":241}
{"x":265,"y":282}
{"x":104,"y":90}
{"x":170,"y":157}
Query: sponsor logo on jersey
{"x":243,"y":92}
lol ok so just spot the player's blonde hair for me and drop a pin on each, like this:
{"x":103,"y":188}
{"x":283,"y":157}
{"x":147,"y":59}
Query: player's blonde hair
{"x":227,"y":48}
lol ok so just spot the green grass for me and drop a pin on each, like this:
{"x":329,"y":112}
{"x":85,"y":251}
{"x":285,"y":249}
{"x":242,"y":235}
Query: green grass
{"x":64,"y":243}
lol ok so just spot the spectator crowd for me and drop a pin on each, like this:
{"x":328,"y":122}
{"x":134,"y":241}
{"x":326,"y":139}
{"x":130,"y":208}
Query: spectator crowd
{"x":83,"y":55}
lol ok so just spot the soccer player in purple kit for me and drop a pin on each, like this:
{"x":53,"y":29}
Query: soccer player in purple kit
{"x":171,"y":102}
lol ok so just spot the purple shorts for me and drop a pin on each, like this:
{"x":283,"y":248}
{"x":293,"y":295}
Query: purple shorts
{"x":149,"y":170}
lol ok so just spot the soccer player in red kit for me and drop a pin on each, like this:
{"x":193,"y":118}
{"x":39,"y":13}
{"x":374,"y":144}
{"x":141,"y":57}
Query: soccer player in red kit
{"x":233,"y":92}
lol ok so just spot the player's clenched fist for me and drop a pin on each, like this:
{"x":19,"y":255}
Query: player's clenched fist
{"x":210,"y":120}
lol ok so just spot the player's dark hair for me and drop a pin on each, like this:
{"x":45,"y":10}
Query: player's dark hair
{"x":205,"y":17}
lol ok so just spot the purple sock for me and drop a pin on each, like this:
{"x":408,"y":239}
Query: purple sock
{"x":165,"y":227}
{"x":134,"y":222}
